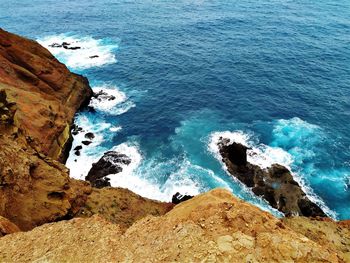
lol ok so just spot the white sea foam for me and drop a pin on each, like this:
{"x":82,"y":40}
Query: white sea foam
{"x":92,"y":52}
{"x":258,"y":154}
{"x":80,"y":165}
{"x":115,"y":129}
{"x":112,"y":100}
{"x":129,"y":177}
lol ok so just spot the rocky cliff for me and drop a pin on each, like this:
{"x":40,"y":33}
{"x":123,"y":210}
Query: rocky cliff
{"x":38,"y":99}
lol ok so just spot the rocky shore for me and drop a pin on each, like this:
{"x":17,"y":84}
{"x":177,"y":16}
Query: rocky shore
{"x":46,"y":216}
{"x":38,"y":99}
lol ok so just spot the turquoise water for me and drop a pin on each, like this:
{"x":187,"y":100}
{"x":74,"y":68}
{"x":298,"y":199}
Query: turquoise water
{"x":274,"y":74}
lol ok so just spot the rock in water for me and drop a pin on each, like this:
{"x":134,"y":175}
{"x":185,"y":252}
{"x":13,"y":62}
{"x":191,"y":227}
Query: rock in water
{"x":89,"y":136}
{"x":110,"y":163}
{"x":275,"y":184}
{"x":179,"y":198}
{"x":86,"y":142}
{"x":237,"y":153}
{"x":102,"y":95}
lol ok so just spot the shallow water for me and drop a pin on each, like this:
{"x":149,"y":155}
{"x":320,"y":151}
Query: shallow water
{"x":274,"y":74}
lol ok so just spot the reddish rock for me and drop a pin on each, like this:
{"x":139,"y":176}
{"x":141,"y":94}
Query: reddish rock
{"x":7,"y":227}
{"x":38,"y":99}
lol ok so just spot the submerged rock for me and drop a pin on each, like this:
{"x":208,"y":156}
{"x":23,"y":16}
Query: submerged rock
{"x":275,"y":184}
{"x":110,"y":163}
{"x":64,"y":45}
{"x":78,"y":148}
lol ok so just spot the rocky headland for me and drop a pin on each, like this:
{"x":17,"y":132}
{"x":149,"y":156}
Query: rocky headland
{"x":46,"y":216}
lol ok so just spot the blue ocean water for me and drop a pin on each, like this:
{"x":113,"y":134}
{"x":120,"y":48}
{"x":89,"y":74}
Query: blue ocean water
{"x":275,"y":74}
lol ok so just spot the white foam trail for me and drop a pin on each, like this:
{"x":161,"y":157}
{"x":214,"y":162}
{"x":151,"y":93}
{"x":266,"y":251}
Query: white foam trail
{"x":112,"y":100}
{"x":264,"y":156}
{"x":92,"y":52}
{"x":115,"y":129}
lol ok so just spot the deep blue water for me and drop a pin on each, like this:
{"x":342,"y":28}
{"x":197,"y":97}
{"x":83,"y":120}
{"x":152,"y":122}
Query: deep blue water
{"x":276,"y":71}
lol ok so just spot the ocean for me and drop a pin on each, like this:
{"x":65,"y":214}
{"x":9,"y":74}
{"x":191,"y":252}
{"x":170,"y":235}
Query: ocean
{"x":272,"y":74}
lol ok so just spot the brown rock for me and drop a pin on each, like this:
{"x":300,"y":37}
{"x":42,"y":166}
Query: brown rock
{"x":212,"y":227}
{"x":38,"y":99}
{"x":121,"y":206}
{"x":46,"y":93}
{"x":7,"y":227}
{"x":327,"y":233}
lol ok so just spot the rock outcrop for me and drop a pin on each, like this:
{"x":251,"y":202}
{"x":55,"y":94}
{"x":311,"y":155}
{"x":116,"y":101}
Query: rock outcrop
{"x":46,"y":93}
{"x":38,"y":99}
{"x":121,"y":206}
{"x":110,"y":163}
{"x":212,"y":227}
{"x":34,"y":188}
{"x":326,"y":232}
{"x":275,"y":184}
{"x":7,"y":227}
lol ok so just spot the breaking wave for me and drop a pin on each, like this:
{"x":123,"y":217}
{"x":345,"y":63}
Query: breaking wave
{"x":81,"y":52}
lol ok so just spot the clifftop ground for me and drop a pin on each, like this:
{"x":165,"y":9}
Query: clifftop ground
{"x":212,"y":227}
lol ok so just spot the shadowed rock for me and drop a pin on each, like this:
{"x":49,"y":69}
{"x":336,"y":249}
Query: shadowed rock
{"x":275,"y":184}
{"x":110,"y":163}
{"x":89,"y":136}
{"x":179,"y":198}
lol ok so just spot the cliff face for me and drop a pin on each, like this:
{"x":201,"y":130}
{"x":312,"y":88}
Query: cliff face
{"x":47,"y":94}
{"x":38,"y":99}
{"x":212,"y":227}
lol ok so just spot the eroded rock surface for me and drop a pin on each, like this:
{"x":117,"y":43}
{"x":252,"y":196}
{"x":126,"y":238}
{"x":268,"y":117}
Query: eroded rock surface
{"x":275,"y":184}
{"x":212,"y":227}
{"x":121,"y":206}
{"x":46,"y":93}
{"x":7,"y":227}
{"x":326,"y":232}
{"x":38,"y":99}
